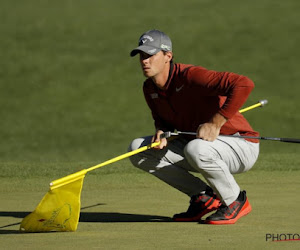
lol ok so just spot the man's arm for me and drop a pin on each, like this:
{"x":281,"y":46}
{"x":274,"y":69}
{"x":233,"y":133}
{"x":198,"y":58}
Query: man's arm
{"x":235,"y":87}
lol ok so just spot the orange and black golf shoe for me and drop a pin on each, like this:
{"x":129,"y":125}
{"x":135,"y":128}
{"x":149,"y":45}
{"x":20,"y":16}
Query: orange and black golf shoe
{"x":200,"y":205}
{"x":230,"y":214}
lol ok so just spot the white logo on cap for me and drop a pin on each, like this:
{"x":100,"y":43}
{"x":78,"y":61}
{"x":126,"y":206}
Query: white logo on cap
{"x":163,"y":46}
{"x":145,"y":38}
{"x":151,"y":51}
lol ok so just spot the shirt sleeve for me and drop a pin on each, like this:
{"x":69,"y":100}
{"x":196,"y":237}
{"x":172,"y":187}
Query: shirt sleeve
{"x":235,"y":87}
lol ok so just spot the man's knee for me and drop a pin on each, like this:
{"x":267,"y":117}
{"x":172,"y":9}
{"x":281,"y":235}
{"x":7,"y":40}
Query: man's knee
{"x":134,"y":145}
{"x":139,"y":158}
{"x":198,"y":153}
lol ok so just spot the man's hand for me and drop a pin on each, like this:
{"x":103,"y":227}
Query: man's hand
{"x":156,"y":138}
{"x":209,"y":131}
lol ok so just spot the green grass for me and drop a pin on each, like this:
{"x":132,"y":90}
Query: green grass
{"x":71,"y":97}
{"x":124,"y":208}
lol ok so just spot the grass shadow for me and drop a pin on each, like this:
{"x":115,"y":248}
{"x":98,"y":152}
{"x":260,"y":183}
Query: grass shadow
{"x":104,"y":217}
{"x":120,"y":217}
{"x":13,"y":214}
{"x":10,"y":232}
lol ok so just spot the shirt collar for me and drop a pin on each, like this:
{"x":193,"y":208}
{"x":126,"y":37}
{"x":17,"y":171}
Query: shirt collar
{"x":171,"y":73}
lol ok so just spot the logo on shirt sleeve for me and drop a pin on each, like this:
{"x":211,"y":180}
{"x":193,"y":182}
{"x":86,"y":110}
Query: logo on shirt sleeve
{"x":154,"y":95}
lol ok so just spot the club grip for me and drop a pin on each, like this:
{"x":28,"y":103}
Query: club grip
{"x":292,"y":140}
{"x":165,"y":135}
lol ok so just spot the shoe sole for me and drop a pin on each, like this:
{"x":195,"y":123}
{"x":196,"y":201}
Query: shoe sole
{"x":214,"y":206}
{"x":246,"y":209}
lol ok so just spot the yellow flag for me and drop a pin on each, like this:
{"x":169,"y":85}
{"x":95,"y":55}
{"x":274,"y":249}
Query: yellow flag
{"x":59,"y":209}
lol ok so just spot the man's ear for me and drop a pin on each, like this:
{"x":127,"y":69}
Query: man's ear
{"x":169,"y":56}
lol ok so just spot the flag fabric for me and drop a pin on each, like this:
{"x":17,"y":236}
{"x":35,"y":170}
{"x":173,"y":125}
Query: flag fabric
{"x":59,"y":210}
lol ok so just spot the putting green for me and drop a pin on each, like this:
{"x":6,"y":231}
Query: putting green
{"x":124,"y":208}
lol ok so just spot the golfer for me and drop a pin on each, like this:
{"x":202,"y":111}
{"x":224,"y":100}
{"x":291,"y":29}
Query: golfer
{"x":194,"y":99}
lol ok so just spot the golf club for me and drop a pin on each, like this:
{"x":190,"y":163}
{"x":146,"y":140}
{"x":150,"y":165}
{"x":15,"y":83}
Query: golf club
{"x":260,"y":103}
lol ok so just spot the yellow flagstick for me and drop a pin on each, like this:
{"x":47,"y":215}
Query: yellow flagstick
{"x":259,"y":104}
{"x":76,"y":176}
{"x":59,"y":210}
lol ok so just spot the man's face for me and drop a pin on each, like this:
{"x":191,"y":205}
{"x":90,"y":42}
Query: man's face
{"x":153,"y":65}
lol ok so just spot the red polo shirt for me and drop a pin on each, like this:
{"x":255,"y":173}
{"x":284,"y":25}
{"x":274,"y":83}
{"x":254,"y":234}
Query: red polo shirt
{"x":193,"y":95}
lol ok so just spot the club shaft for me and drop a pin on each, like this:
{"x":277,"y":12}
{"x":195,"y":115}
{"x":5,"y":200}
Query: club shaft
{"x":290,"y":140}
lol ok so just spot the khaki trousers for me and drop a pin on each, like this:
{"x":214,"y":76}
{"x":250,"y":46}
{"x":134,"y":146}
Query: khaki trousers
{"x":217,"y":161}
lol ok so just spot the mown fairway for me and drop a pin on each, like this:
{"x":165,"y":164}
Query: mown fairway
{"x":71,"y":97}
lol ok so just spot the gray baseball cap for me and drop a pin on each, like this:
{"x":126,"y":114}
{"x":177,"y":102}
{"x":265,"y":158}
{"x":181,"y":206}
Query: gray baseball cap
{"x":152,"y":42}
